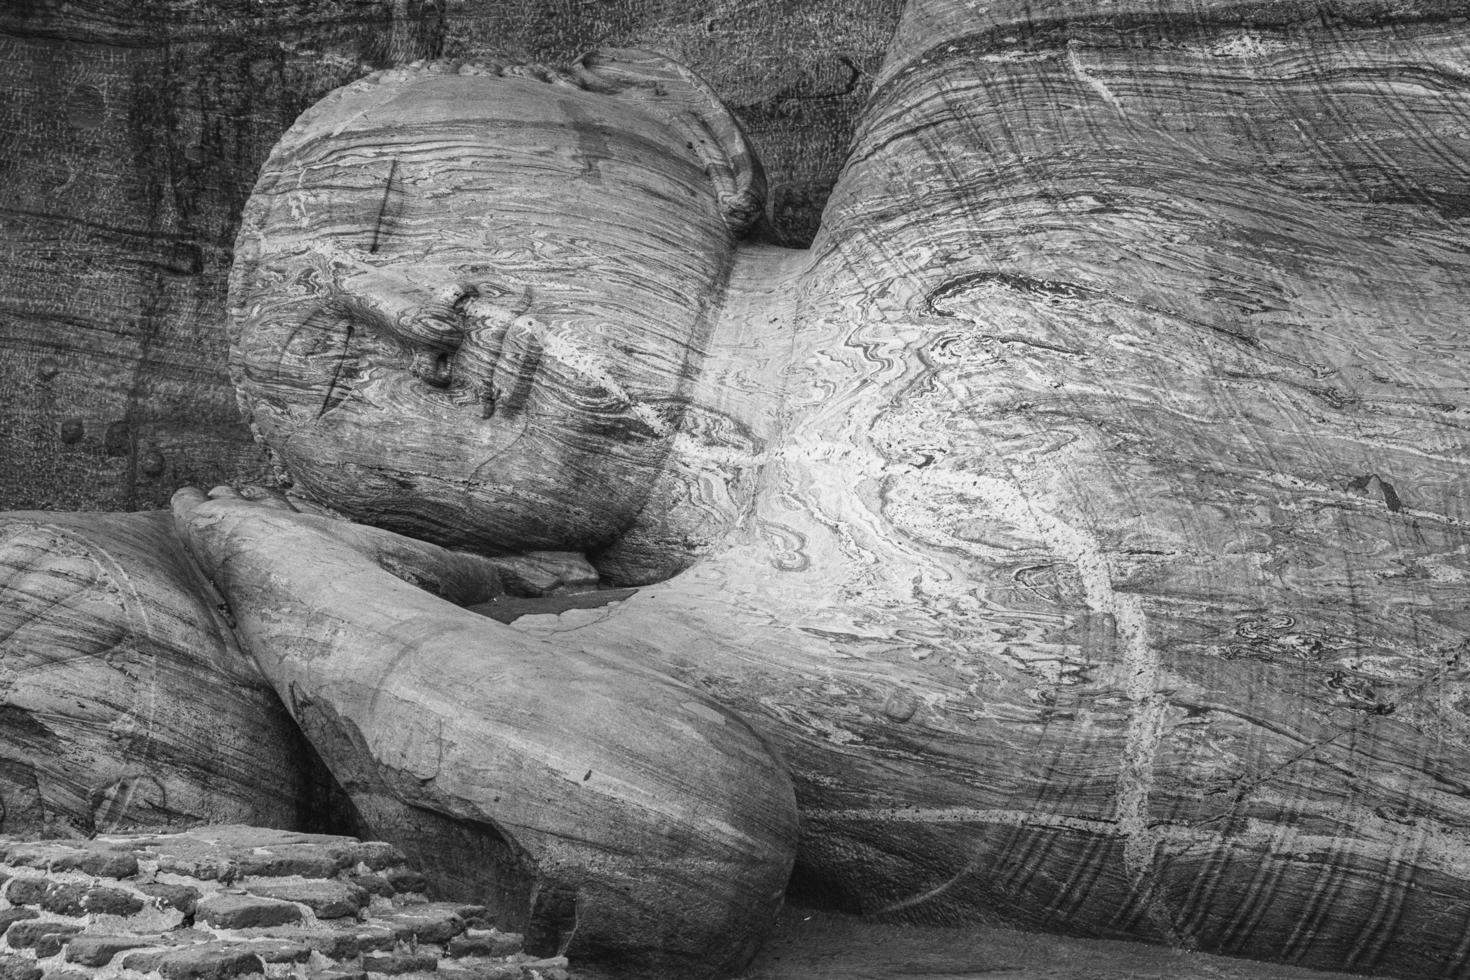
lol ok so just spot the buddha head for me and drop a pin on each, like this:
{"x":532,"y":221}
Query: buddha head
{"x":468,"y":302}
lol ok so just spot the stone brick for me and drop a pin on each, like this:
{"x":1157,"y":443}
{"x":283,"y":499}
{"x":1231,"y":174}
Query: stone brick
{"x":334,"y":944}
{"x":485,"y":942}
{"x":229,"y":911}
{"x":205,"y":867}
{"x":181,"y":897}
{"x":374,"y":884}
{"x":41,"y":935}
{"x":393,"y":964}
{"x":7,"y":916}
{"x":338,"y":973}
{"x":26,"y":891}
{"x":79,"y":900}
{"x":112,"y":901}
{"x":306,"y":860}
{"x":278,"y":950}
{"x":99,"y":862}
{"x":376,"y":854}
{"x":375,"y":935}
{"x":143,"y":962}
{"x":406,"y":880}
{"x":553,"y":968}
{"x":14,"y":967}
{"x":49,"y":946}
{"x":328,"y":899}
{"x":68,"y":975}
{"x":432,"y":922}
{"x":209,"y":961}
{"x":475,"y":916}
{"x":99,"y":950}
{"x":64,"y":899}
{"x":480,"y":970}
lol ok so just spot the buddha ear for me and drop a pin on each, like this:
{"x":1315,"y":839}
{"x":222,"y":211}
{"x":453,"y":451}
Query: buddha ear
{"x":680,"y":97}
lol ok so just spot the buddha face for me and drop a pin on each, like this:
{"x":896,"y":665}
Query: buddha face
{"x":467,"y":307}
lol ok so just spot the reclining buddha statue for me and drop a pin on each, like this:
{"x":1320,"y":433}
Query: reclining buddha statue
{"x":1073,"y":538}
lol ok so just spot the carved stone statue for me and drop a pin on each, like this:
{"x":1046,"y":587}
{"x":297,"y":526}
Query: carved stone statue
{"x":1073,"y":538}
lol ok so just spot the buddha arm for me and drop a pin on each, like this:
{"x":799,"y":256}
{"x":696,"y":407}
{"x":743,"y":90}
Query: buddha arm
{"x":651,"y":821}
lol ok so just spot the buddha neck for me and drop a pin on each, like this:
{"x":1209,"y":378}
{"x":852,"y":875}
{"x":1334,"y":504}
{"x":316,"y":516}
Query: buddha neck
{"x":733,"y":419}
{"x":753,"y":340}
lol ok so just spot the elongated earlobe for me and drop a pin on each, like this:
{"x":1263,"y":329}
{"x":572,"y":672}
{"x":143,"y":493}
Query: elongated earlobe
{"x":683,"y":99}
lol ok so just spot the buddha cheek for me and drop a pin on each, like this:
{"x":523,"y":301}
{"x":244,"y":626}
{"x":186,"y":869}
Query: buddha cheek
{"x":587,"y":391}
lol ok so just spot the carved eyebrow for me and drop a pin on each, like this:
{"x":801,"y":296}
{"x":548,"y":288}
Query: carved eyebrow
{"x":390,"y":195}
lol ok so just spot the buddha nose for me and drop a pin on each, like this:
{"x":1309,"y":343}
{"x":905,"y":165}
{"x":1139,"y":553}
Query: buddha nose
{"x":454,"y":332}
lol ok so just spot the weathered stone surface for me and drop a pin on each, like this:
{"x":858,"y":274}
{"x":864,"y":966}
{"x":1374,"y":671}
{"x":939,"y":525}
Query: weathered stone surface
{"x":378,"y":855}
{"x":328,"y":899}
{"x":485,"y":942}
{"x":73,"y":899}
{"x":229,"y":852}
{"x":64,"y":899}
{"x":547,"y":968}
{"x":8,"y":916}
{"x":94,"y":950}
{"x":124,"y":703}
{"x":813,"y":945}
{"x":279,"y":950}
{"x":437,"y":922}
{"x":44,"y":936}
{"x":375,"y":884}
{"x":335,"y":944}
{"x":13,"y":967}
{"x":287,"y":861}
{"x":226,"y":910}
{"x":112,"y":278}
{"x":144,"y":962}
{"x":338,"y":973}
{"x":209,"y":961}
{"x":104,"y":937}
{"x":406,"y":879}
{"x":396,"y":963}
{"x":472,"y":970}
{"x":374,"y":936}
{"x":100,"y":861}
{"x":180,"y":897}
{"x":26,"y":891}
